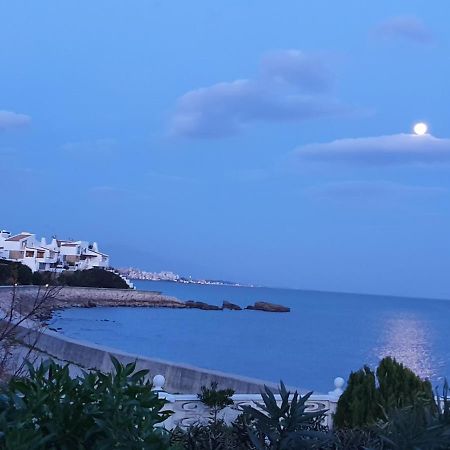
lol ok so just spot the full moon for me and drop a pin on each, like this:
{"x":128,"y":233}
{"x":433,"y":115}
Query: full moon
{"x":420,"y":128}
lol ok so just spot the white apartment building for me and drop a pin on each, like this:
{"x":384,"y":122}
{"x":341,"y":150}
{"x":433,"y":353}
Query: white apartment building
{"x":57,"y":256}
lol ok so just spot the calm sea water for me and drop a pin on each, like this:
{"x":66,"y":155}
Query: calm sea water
{"x":326,"y":334}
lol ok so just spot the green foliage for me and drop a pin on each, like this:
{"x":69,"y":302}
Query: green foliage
{"x":43,"y":278}
{"x":399,"y":386}
{"x":213,"y":436}
{"x":14,"y":272}
{"x":214,"y":398}
{"x":443,"y":404}
{"x":266,"y":426}
{"x":359,"y":404}
{"x":368,"y":398}
{"x":216,"y":434}
{"x":51,"y":410}
{"x":285,"y":427}
{"x":416,"y":426}
{"x":92,"y":278}
{"x":355,"y":439}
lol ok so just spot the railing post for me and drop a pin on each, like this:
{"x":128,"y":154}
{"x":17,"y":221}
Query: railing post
{"x":158,"y":383}
{"x":334,"y":395}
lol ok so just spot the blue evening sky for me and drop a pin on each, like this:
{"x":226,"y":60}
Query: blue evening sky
{"x":251,"y":140}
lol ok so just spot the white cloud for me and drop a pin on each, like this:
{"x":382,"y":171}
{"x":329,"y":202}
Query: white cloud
{"x":397,"y":149}
{"x":9,"y":119}
{"x":405,"y":27}
{"x":290,"y":87}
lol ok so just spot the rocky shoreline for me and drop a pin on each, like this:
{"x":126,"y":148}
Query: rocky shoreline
{"x":52,"y":299}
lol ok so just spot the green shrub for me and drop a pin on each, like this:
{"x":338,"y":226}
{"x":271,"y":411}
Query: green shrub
{"x":359,"y":404}
{"x":368,"y":398}
{"x":399,"y":386}
{"x":51,"y":410}
{"x":92,"y":278}
{"x":216,"y":399}
{"x":43,"y":278}
{"x":285,"y":426}
{"x":416,"y":426}
{"x":12,"y":272}
{"x":355,"y":439}
{"x":212,"y":436}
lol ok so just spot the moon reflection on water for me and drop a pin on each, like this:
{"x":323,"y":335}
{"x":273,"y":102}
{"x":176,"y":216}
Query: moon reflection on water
{"x":409,"y":340}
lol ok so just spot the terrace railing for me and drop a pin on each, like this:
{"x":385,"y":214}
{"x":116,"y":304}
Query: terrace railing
{"x":189,"y":410}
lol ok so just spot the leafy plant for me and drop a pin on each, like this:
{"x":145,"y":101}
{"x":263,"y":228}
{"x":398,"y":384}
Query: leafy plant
{"x":216,"y":399}
{"x":356,"y":439}
{"x":414,"y":427}
{"x":285,"y":426}
{"x":51,"y":410}
{"x":212,"y":436}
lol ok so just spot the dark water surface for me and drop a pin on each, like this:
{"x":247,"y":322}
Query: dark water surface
{"x":326,"y":334}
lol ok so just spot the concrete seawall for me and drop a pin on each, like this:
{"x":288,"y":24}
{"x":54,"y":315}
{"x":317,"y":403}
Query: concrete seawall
{"x":180,"y":378}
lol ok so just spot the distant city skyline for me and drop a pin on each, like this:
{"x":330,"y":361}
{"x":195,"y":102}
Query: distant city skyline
{"x":251,"y":141}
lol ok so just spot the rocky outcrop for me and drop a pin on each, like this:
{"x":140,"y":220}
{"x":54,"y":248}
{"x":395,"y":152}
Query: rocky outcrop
{"x":201,"y":305}
{"x":268,"y":307}
{"x":232,"y":306}
{"x":80,"y":297}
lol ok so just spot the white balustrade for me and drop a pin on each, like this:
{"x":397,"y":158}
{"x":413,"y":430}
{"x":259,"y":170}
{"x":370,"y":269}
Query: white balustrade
{"x":189,"y":410}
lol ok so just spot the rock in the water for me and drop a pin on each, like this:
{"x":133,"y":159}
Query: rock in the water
{"x":268,"y":307}
{"x":232,"y":306}
{"x":201,"y":305}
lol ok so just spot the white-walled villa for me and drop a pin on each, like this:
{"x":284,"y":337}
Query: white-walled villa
{"x":56,"y":256}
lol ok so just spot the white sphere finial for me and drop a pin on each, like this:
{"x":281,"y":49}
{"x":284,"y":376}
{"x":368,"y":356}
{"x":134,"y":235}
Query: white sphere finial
{"x":339,"y":383}
{"x":158,"y":382}
{"x":338,"y":387}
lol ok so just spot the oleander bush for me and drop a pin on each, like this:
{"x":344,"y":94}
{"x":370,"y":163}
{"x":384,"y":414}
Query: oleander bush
{"x":49,"y":409}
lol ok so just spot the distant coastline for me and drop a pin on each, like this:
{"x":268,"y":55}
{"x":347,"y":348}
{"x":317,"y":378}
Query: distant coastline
{"x":137,"y":274}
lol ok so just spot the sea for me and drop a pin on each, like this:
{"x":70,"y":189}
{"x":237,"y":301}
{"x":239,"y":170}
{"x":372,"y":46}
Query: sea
{"x":326,"y":334}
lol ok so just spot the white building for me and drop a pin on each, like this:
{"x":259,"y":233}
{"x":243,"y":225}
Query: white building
{"x":57,"y":256}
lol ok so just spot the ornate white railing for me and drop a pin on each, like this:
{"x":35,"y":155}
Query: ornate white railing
{"x":189,"y":410}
